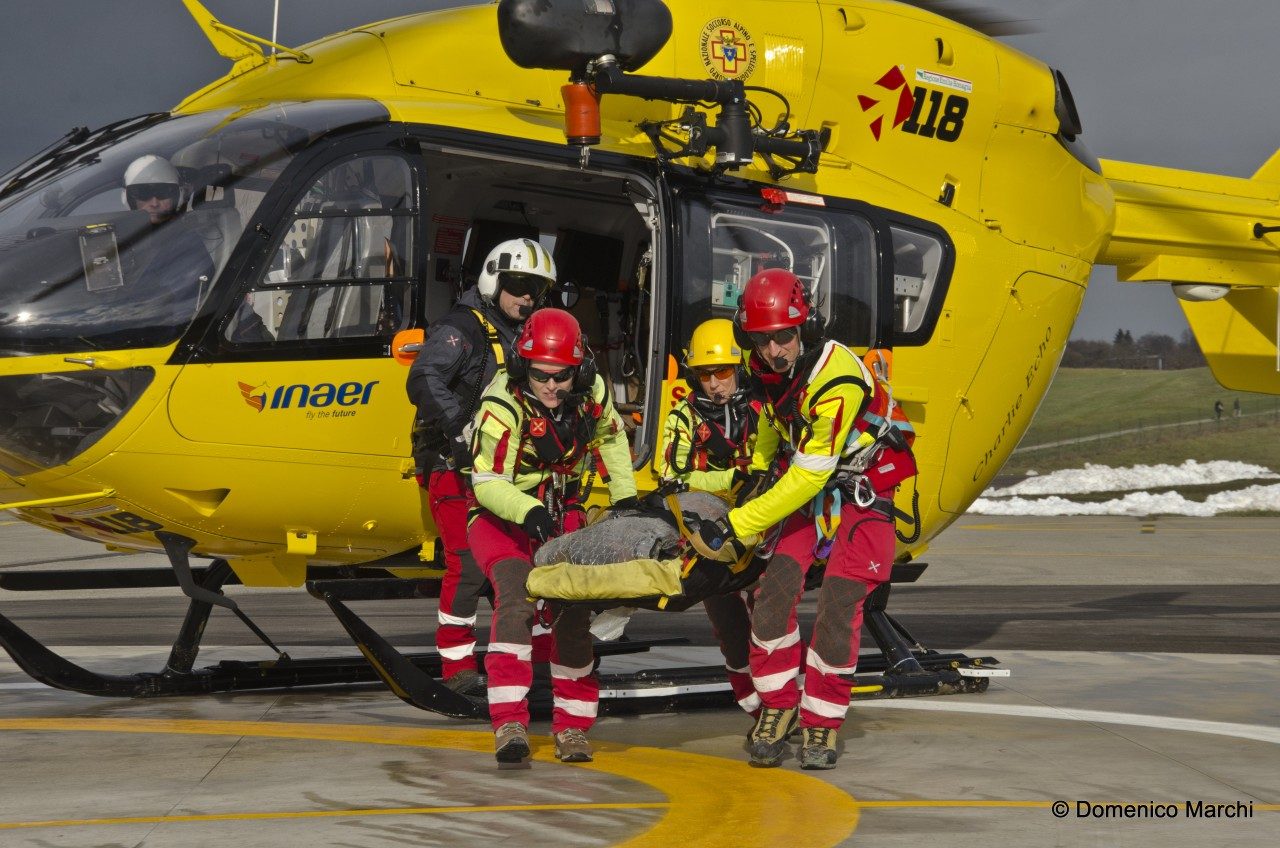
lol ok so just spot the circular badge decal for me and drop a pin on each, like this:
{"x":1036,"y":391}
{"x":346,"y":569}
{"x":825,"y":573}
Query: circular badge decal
{"x":727,"y":49}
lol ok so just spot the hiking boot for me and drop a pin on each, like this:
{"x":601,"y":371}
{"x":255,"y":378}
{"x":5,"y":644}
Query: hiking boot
{"x":792,"y":730}
{"x":817,"y":748}
{"x":467,"y":682}
{"x":768,"y":741}
{"x":572,"y":746}
{"x":511,"y":745}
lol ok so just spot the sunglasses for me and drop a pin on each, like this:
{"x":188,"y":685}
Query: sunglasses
{"x":519,"y":285}
{"x":564,"y":375}
{"x":783,"y":336}
{"x":145,"y":191}
{"x":720,"y":372}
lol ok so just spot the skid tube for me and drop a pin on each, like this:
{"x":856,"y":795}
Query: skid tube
{"x":180,"y":677}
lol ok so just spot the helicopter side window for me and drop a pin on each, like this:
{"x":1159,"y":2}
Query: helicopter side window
{"x":917,"y":261}
{"x":343,"y":266}
{"x":833,"y":252}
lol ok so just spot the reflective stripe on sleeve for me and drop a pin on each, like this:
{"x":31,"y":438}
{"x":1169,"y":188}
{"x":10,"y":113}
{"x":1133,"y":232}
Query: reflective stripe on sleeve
{"x":815,"y":461}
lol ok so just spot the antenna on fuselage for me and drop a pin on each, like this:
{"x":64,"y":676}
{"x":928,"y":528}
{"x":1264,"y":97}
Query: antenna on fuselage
{"x":275,"y":27}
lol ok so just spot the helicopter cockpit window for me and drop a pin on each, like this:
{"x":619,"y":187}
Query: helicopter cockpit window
{"x":87,"y":263}
{"x":917,"y":260}
{"x":832,"y":252}
{"x":343,"y":267}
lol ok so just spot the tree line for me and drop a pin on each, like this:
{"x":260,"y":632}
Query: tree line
{"x":1153,"y":351}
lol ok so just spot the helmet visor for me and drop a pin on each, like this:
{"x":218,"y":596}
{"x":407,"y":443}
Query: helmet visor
{"x":140,"y":192}
{"x":519,"y":284}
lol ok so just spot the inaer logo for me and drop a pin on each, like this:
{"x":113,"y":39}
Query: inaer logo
{"x":256,"y":401}
{"x":893,"y":80}
{"x":303,"y":396}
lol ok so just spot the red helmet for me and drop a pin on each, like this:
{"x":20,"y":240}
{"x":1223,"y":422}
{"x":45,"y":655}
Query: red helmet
{"x":774,"y":299}
{"x":552,"y":335}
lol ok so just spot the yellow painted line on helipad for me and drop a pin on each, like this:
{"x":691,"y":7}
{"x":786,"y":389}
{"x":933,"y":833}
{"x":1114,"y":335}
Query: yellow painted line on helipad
{"x":718,"y":802}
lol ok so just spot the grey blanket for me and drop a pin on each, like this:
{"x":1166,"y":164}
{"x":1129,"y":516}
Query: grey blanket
{"x":626,"y":536}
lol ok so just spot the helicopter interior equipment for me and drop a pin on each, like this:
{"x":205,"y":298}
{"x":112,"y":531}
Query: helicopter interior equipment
{"x":929,"y":184}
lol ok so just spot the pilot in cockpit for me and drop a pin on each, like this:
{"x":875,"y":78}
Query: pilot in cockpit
{"x":172,"y":258}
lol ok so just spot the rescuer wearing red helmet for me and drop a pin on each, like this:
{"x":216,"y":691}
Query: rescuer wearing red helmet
{"x":536,"y":425}
{"x":816,"y":394}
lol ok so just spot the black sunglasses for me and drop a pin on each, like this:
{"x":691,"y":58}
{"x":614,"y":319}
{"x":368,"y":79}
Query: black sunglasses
{"x":783,"y":336}
{"x":564,"y":375}
{"x":519,"y":285}
{"x":145,"y":191}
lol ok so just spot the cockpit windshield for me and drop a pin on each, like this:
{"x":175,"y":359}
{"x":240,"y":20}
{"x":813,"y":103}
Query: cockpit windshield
{"x":115,"y":239}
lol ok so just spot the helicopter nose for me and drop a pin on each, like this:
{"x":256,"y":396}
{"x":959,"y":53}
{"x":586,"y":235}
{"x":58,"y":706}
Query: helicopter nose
{"x":46,"y":420}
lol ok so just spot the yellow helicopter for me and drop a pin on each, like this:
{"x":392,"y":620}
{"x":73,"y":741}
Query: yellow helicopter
{"x":928,"y":182}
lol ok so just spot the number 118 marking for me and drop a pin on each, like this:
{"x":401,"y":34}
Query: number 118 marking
{"x":952,"y":114}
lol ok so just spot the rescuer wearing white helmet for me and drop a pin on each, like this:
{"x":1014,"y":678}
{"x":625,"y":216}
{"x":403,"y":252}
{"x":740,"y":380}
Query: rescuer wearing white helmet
{"x":459,"y":356}
{"x":151,"y":184}
{"x":173,"y":259}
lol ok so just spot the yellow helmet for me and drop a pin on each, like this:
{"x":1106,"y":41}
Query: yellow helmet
{"x":712,"y":343}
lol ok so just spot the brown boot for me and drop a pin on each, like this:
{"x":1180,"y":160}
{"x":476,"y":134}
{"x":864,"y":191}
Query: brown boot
{"x":572,"y":746}
{"x":511,"y":745}
{"x":818,"y":748}
{"x":768,"y":741}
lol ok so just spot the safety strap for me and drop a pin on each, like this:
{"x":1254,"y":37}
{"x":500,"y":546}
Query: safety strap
{"x":495,"y":341}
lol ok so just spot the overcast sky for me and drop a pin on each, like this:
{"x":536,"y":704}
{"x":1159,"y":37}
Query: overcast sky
{"x":1184,"y":83}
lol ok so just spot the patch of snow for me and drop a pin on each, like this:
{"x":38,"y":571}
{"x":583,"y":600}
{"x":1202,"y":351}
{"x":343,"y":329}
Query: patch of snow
{"x":1103,"y":478}
{"x":1138,"y":504}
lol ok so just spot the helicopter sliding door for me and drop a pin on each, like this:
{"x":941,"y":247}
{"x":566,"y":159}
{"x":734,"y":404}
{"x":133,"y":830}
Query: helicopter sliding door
{"x":597,"y":225}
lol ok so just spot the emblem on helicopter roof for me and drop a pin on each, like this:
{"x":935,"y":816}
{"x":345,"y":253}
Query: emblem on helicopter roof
{"x":728,"y":51}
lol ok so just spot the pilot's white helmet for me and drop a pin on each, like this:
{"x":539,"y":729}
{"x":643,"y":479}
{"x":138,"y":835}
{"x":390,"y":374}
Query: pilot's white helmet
{"x":152,"y":170}
{"x":516,"y":259}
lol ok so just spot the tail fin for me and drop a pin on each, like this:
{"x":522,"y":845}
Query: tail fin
{"x":1206,"y":234}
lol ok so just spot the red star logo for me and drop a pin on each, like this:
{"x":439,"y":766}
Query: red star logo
{"x":893,"y":80}
{"x":704,"y":432}
{"x":538,"y":427}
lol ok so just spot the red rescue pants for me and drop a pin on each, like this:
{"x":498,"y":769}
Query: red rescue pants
{"x":860,"y":560}
{"x":504,"y":554}
{"x":447,"y":498}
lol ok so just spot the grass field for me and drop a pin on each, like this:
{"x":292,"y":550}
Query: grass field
{"x":1089,"y":401}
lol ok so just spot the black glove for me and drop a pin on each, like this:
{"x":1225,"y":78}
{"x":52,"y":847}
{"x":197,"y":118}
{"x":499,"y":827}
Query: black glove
{"x":715,"y":534}
{"x":716,"y":541}
{"x":460,"y":453}
{"x":538,"y":525}
{"x":624,"y":504}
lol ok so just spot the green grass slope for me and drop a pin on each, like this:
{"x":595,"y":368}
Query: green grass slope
{"x":1171,"y":413}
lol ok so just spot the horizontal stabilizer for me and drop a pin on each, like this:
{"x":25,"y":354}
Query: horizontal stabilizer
{"x":1207,"y":234}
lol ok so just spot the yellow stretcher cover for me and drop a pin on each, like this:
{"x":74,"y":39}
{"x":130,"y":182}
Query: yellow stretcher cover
{"x":637,"y":578}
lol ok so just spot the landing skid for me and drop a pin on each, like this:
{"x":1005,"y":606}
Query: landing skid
{"x":903,"y":668}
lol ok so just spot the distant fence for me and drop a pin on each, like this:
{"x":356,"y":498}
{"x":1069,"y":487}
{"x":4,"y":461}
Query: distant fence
{"x":1050,"y":442}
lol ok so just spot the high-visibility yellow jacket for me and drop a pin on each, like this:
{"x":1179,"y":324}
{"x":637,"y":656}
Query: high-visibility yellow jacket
{"x":688,"y":453}
{"x":510,"y":476}
{"x":815,"y":415}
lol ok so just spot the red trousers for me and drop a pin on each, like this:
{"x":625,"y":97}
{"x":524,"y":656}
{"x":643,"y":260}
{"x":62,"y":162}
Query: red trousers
{"x":447,"y":498}
{"x":504,"y":554}
{"x":860,"y":560}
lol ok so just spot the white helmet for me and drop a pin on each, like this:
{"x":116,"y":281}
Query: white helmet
{"x":520,"y":257}
{"x":151,"y":170}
